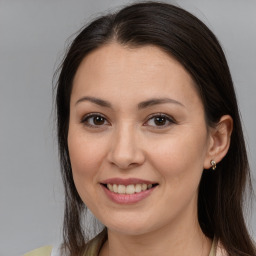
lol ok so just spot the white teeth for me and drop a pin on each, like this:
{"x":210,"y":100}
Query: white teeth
{"x":137,"y":188}
{"x":110,"y":187}
{"x":129,"y":189}
{"x":115,"y":188}
{"x":121,"y":189}
{"x":144,"y":187}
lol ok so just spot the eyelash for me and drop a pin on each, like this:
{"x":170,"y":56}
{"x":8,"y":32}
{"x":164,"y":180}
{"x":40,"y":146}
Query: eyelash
{"x":92,"y":115}
{"x":161,"y":115}
{"x":170,"y":120}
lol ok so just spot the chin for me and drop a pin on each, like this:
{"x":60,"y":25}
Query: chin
{"x":130,"y":227}
{"x":129,"y":230}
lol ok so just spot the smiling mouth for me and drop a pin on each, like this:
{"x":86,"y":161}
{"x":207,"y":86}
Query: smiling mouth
{"x":129,"y":189}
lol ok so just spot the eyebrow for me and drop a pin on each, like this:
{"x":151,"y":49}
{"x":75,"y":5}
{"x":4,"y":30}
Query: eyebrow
{"x":141,"y":105}
{"x":97,"y":101}
{"x":156,"y":101}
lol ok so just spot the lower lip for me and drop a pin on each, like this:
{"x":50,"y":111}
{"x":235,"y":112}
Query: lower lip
{"x":125,"y":198}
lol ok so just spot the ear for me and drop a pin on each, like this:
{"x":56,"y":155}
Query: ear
{"x":219,"y":141}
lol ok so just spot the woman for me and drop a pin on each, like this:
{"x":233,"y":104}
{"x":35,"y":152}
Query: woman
{"x":150,"y":138}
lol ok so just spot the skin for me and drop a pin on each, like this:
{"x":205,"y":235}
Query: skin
{"x":129,"y":143}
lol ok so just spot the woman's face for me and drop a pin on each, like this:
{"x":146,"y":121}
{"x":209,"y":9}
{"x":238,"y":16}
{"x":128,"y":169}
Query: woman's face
{"x":138,"y":140}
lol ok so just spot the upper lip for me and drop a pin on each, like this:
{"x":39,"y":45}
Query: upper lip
{"x":129,"y":181}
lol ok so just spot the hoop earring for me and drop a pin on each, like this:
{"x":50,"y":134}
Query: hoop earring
{"x":213,"y":164}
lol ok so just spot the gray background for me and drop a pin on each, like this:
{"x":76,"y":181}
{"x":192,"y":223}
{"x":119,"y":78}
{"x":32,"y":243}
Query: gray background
{"x":33,"y":35}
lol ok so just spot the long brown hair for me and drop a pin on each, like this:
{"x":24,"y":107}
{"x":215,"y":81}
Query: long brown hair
{"x":186,"y":38}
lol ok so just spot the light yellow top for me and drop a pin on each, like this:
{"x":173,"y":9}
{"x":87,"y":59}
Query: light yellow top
{"x":43,"y":251}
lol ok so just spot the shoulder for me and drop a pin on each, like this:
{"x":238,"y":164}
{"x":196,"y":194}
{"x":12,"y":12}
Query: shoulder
{"x":220,"y":251}
{"x":43,"y":251}
{"x":94,"y":246}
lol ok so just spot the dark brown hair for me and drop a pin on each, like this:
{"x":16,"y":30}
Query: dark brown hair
{"x":189,"y":41}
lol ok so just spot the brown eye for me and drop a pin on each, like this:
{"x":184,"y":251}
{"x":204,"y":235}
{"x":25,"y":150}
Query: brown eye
{"x":160,"y":121}
{"x":94,"y":121}
{"x":98,"y":120}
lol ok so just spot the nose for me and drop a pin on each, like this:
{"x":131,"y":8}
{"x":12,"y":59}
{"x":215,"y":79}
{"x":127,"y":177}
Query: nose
{"x":125,"y":151}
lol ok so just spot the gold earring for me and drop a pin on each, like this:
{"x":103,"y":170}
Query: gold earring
{"x":213,"y":164}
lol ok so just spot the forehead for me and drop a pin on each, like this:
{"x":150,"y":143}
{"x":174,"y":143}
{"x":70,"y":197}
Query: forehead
{"x":146,"y":71}
{"x":120,"y":59}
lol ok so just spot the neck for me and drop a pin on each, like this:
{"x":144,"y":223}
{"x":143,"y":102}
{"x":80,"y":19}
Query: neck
{"x":178,"y":239}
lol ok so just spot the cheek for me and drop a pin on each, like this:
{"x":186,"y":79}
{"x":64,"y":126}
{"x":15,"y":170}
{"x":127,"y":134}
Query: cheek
{"x":85,"y":157}
{"x":180,"y":157}
{"x":179,"y":161}
{"x":84,"y":152}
